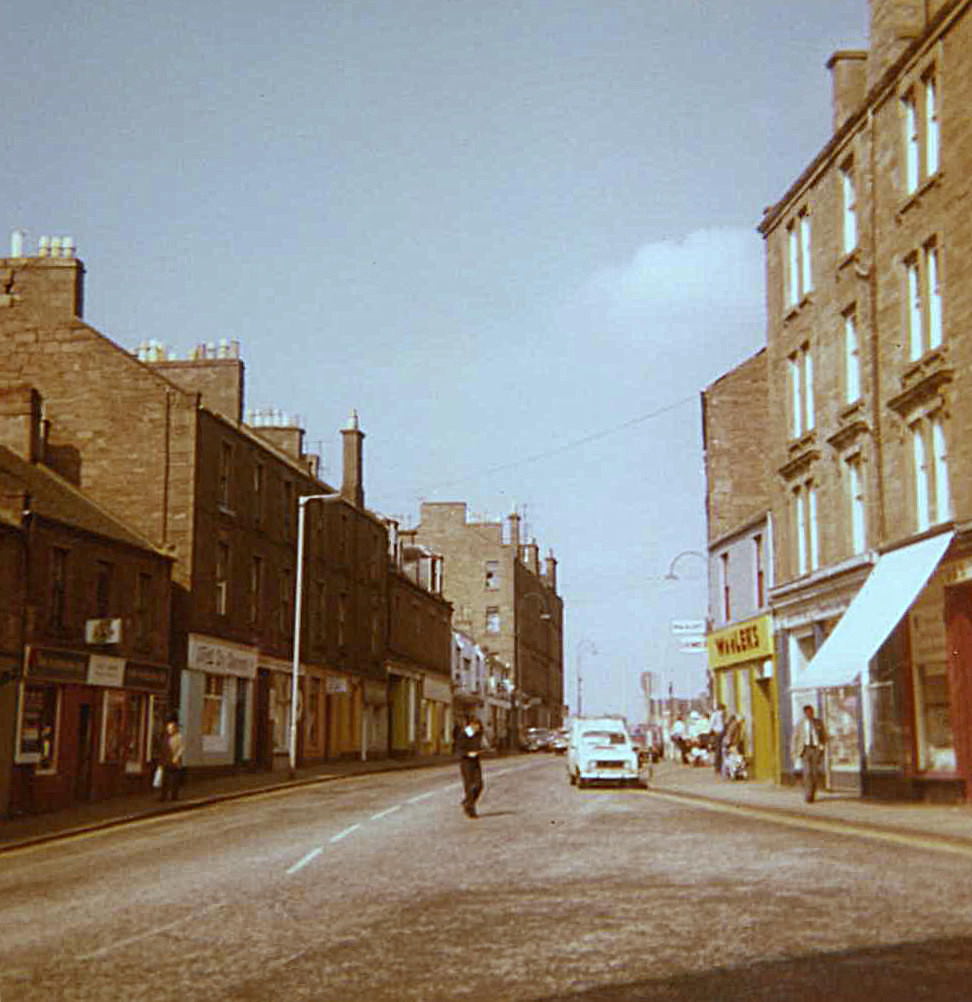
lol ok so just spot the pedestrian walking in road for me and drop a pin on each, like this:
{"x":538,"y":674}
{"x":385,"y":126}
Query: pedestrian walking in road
{"x":809,"y":738}
{"x":470,"y":741}
{"x":717,"y":727}
{"x":171,"y":748}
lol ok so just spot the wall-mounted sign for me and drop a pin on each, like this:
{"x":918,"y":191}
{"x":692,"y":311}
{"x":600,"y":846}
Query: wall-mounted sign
{"x":688,"y":627}
{"x":749,"y":641}
{"x":335,"y":684}
{"x":105,"y":670}
{"x":219,"y":658}
{"x":692,"y":645}
{"x":103,"y":631}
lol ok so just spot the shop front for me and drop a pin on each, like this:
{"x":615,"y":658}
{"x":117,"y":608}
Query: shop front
{"x":744,"y":681}
{"x":889,"y":691}
{"x":86,"y":727}
{"x":374,"y":719}
{"x":217,"y":697}
{"x":404,"y":696}
{"x":436,"y":715}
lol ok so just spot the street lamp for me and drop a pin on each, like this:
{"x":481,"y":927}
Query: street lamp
{"x":670,"y":575}
{"x":580,"y":678}
{"x":298,"y":606}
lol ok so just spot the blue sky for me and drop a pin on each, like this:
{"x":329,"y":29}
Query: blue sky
{"x":518,"y":237}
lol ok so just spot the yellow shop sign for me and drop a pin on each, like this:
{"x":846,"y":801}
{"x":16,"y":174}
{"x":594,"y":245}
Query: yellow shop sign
{"x":749,"y":641}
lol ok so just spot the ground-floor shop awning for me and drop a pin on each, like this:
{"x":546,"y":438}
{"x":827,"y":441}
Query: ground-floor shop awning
{"x":894,"y":583}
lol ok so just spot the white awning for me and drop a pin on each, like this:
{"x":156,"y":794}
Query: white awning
{"x":876,"y":609}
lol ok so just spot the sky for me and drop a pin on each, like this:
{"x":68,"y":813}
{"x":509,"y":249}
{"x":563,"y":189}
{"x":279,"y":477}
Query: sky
{"x":519,"y":238}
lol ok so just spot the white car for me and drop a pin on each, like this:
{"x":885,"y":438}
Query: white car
{"x":601,"y":749}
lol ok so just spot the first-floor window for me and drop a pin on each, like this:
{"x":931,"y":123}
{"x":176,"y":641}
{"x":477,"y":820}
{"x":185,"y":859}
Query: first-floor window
{"x":855,"y":497}
{"x":805,"y":527}
{"x":37,"y":727}
{"x":214,"y":701}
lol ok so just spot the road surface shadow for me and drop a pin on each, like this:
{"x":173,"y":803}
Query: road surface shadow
{"x":496,"y":814}
{"x":938,"y":970}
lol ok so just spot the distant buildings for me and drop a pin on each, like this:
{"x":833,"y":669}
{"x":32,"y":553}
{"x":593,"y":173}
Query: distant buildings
{"x":869,"y":484}
{"x":148,"y":529}
{"x":506,"y":603}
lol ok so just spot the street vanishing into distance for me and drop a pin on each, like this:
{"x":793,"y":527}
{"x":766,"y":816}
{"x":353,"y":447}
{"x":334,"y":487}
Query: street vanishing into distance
{"x":379,"y":888}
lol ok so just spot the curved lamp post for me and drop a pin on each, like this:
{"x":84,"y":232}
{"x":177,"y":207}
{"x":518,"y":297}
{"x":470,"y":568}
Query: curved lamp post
{"x":670,"y":575}
{"x":302,"y":502}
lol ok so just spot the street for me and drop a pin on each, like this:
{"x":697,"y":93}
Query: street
{"x":379,"y":888}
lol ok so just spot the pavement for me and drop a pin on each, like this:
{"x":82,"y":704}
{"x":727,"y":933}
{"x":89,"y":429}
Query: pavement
{"x":944,"y":824}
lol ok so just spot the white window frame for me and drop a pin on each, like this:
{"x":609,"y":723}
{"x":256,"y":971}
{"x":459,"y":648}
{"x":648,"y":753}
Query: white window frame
{"x":849,"y":206}
{"x":852,"y":358}
{"x":800,"y":368}
{"x":217,"y":741}
{"x":932,"y":134}
{"x":800,"y":528}
{"x":923,"y":290}
{"x":939,"y":455}
{"x":806,"y":264}
{"x":856,"y":503}
{"x":922,"y":134}
{"x":912,"y":142}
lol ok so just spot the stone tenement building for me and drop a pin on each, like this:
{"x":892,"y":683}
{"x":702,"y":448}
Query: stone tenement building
{"x":869,"y":300}
{"x":504,"y":601}
{"x":163,"y":446}
{"x":740,"y":635}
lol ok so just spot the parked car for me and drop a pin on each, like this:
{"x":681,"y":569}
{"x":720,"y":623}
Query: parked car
{"x":558,"y":743}
{"x":600,"y":749}
{"x":537,"y":739}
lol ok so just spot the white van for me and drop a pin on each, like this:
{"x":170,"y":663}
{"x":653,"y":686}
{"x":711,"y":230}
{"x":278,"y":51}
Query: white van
{"x":600,"y":748}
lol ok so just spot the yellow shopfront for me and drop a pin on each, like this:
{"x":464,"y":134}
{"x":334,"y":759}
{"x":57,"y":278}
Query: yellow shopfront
{"x":743,"y":680}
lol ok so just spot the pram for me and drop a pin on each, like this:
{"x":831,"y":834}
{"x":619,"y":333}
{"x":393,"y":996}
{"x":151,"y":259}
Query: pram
{"x":734,"y":765}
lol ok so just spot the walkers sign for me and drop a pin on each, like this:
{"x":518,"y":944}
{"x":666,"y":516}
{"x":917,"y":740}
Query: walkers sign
{"x":749,"y":641}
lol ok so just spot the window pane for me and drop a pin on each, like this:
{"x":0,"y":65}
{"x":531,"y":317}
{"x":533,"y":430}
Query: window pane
{"x":806,"y":272}
{"x":812,"y":519}
{"x":921,"y":477}
{"x":911,"y":145}
{"x":852,"y":360}
{"x":808,"y":379}
{"x":850,"y":211}
{"x":934,"y":298}
{"x":113,"y":733}
{"x":915,"y":345}
{"x":212,"y":710}
{"x":943,"y":503}
{"x":931,"y":127}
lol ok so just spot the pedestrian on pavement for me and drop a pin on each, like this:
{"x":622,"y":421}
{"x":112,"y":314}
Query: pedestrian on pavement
{"x":678,"y":739}
{"x":470,"y":741}
{"x":717,"y":727}
{"x":171,"y":748}
{"x":809,"y":738}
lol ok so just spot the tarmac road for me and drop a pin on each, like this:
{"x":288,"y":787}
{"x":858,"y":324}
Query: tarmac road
{"x":378,"y":888}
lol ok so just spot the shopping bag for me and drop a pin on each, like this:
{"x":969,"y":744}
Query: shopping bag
{"x":157,"y":778}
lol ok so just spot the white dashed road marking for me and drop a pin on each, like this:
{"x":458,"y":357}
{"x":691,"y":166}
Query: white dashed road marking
{"x":347,"y":831}
{"x":313,"y":854}
{"x":386,"y":812}
{"x":154,"y":931}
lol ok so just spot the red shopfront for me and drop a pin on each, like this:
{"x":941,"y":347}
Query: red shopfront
{"x":86,"y":728}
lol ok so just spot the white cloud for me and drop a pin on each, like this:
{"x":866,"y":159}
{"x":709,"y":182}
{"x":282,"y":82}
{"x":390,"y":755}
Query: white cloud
{"x":710,"y":271}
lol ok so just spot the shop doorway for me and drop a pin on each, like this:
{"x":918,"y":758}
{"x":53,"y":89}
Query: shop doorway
{"x":239,"y":745}
{"x":85,"y":751}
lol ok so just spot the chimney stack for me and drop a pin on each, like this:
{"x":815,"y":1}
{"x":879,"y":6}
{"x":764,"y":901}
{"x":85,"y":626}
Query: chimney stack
{"x":848,"y":78}
{"x":352,"y":483}
{"x":515,"y":533}
{"x":551,"y":570}
{"x":533,"y":556}
{"x":894,"y":25}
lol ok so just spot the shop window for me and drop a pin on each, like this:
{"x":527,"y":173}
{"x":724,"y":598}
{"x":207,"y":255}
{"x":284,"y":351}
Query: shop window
{"x":37,"y":727}
{"x":123,"y":722}
{"x":214,"y":707}
{"x":314,"y":712}
{"x":882,"y":707}
{"x":936,"y":751}
{"x":280,"y":711}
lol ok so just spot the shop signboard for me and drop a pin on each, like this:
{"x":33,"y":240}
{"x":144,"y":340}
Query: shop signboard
{"x":749,"y":641}
{"x":217,"y":657}
{"x":57,"y":666}
{"x":334,"y":684}
{"x":152,"y":678}
{"x":105,"y":670}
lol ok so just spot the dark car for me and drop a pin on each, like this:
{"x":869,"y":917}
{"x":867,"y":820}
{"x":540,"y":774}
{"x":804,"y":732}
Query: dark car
{"x":537,"y":739}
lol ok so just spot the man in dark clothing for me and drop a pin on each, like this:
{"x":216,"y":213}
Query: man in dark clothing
{"x":469,"y":743}
{"x":170,"y":758}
